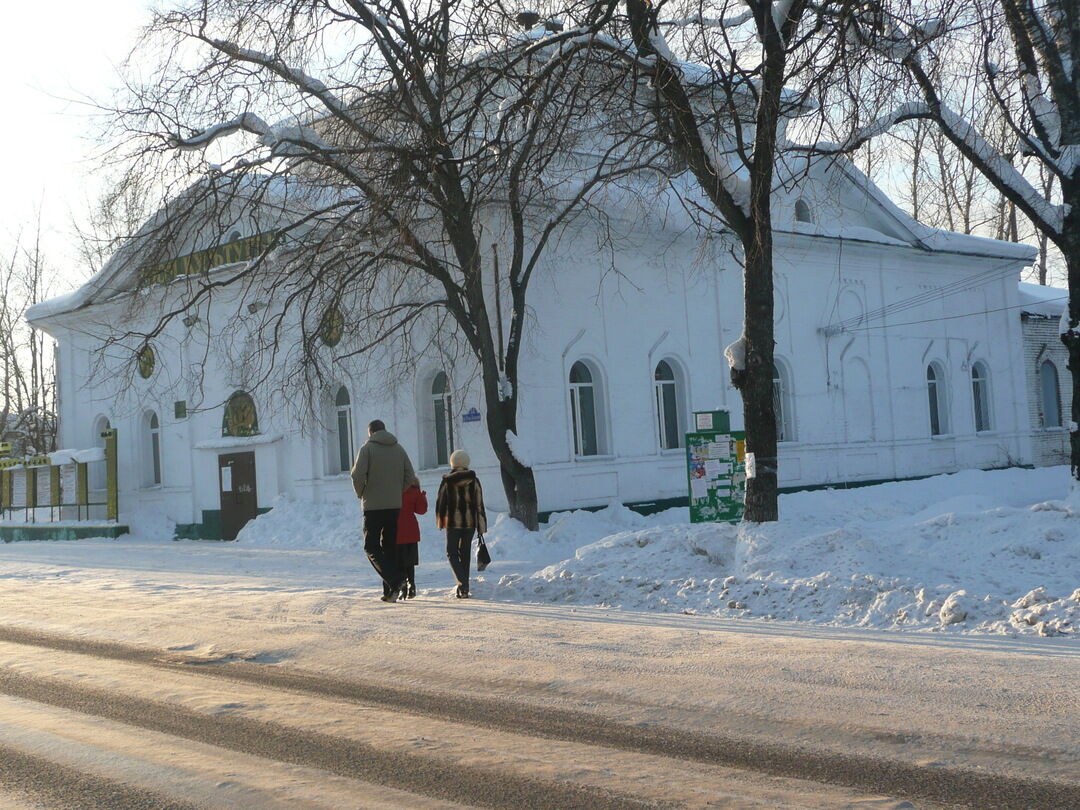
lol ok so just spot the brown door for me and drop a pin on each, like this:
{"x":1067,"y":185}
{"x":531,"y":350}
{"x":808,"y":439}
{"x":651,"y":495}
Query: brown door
{"x":236,"y":481}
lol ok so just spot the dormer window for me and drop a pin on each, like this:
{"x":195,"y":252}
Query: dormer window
{"x":802,"y":211}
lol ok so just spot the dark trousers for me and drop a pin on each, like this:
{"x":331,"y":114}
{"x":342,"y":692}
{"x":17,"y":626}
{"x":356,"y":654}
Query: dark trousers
{"x":406,"y":556}
{"x":458,"y":552}
{"x":380,"y":545}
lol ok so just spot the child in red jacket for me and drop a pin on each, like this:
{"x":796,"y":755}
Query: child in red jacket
{"x":413,"y":503}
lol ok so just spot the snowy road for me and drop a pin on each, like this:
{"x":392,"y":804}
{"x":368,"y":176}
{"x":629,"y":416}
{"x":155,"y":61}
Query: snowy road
{"x":206,"y":675}
{"x":118,"y":725}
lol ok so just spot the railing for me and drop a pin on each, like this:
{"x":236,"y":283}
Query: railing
{"x":55,"y":487}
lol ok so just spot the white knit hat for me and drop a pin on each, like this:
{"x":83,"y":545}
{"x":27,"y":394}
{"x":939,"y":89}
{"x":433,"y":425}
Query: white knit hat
{"x":459,"y":458}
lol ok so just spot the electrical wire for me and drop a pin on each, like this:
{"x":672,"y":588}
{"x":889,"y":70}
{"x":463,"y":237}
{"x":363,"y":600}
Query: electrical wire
{"x":928,"y":296}
{"x":951,"y":317}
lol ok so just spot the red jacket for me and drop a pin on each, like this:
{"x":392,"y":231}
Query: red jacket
{"x":413,"y":503}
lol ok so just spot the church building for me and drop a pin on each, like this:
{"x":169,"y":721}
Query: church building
{"x":899,"y":354}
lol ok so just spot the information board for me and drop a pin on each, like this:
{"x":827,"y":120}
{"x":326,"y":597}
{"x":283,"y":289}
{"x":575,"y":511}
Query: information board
{"x":716,"y":474}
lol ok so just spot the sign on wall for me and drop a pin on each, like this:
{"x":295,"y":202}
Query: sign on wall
{"x":471,"y":415}
{"x":203,"y":261}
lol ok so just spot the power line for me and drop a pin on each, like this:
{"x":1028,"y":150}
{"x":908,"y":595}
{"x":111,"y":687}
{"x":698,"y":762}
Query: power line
{"x":928,"y":296}
{"x":951,"y":317}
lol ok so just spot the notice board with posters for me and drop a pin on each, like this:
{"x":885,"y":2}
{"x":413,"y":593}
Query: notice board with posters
{"x":715,"y":468}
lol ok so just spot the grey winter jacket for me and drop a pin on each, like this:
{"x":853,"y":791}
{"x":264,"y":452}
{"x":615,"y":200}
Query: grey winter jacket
{"x":382,"y":472}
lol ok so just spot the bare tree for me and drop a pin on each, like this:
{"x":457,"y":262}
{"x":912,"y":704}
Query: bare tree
{"x":28,"y":408}
{"x":422,"y":157}
{"x":1029,"y":69}
{"x":933,"y":180}
{"x":747,"y":67}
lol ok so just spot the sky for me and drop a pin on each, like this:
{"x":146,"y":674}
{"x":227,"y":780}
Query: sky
{"x":47,"y":137}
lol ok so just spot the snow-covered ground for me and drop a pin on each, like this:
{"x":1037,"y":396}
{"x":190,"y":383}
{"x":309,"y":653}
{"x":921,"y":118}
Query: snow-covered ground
{"x":590,"y":614}
{"x":974,"y":552}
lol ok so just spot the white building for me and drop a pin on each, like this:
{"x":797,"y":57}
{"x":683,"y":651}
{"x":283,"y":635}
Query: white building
{"x":899,"y":354}
{"x":1046,"y":371}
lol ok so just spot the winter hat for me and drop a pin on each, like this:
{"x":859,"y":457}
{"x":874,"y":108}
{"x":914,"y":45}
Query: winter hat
{"x":459,"y":458}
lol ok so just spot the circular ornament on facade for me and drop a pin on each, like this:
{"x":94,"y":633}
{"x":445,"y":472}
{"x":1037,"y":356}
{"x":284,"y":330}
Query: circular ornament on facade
{"x":146,"y":361}
{"x":332,"y":327}
{"x":241,"y":418}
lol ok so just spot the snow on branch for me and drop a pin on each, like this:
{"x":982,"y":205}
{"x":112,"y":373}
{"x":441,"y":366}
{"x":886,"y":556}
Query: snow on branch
{"x":247,"y":122}
{"x":961,"y":132}
{"x":295,"y":76}
{"x":780,"y":11}
{"x":282,"y":139}
{"x":710,"y":22}
{"x":736,"y":354}
{"x":660,"y":46}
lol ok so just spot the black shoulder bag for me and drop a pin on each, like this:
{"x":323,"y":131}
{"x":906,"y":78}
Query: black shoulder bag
{"x":483,"y":558}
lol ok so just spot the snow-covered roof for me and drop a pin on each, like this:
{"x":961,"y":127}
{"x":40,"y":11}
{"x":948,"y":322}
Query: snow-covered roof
{"x":280,"y":197}
{"x":929,"y":238}
{"x":1044,"y":301}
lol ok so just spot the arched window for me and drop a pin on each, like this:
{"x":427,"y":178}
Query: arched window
{"x":240,"y":418}
{"x":443,"y":419}
{"x":937,"y":400}
{"x":980,"y":396}
{"x":343,"y":431}
{"x":1051,"y":394}
{"x":151,"y":450}
{"x":96,"y":469}
{"x":802,"y":211}
{"x":782,"y":404}
{"x":670,"y":399}
{"x":586,"y":410}
{"x":858,"y":399}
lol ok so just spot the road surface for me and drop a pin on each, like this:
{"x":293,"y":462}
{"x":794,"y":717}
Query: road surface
{"x":90,"y":723}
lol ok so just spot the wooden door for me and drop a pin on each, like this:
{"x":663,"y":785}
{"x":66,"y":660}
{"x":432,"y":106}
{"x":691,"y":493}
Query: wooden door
{"x":239,"y":501}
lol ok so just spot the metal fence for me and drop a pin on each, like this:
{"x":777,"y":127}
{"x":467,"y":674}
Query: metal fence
{"x":66,"y":485}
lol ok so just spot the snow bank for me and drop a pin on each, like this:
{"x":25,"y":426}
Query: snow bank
{"x":974,"y":552}
{"x":300,"y":524}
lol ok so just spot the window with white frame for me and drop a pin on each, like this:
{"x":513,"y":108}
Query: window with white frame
{"x":980,"y":396}
{"x":151,"y":450}
{"x":802,"y":211}
{"x":667,"y":389}
{"x":1051,"y":394}
{"x":782,"y":403}
{"x":937,"y":399}
{"x":96,"y":469}
{"x":585,"y":410}
{"x":442,"y":420}
{"x":342,"y":450}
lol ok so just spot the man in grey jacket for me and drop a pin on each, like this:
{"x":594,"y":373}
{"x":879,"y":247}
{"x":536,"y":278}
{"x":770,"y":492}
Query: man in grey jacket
{"x":381,"y":473}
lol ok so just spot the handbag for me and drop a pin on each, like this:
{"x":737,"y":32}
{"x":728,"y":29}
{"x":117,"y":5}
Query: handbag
{"x":483,"y":558}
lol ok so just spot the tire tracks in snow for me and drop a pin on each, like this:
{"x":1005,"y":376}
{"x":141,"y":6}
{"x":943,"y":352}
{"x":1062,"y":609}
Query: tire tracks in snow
{"x":882,"y":776}
{"x":480,"y":787}
{"x":43,"y":781}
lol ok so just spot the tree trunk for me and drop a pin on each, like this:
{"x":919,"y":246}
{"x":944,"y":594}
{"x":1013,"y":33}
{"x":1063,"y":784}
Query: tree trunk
{"x":1070,"y":247}
{"x":519,"y":483}
{"x":759,"y":413}
{"x":518,"y":480}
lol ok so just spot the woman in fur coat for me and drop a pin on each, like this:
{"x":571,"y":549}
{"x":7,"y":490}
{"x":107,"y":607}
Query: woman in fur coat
{"x":459,"y":508}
